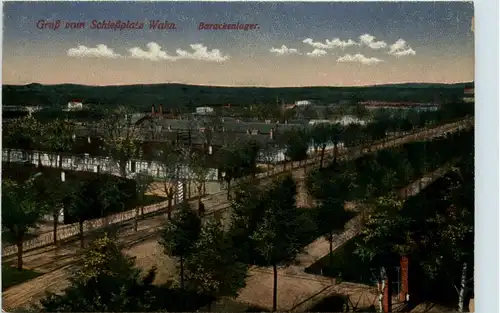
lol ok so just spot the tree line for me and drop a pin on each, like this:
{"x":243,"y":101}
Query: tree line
{"x":187,"y":97}
{"x":267,"y":228}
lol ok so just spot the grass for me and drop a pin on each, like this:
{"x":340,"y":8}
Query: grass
{"x":12,"y":276}
{"x":346,"y":265}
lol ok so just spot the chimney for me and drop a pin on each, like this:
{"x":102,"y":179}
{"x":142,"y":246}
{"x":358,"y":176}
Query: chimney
{"x":152,"y":109}
{"x":161,"y":109}
{"x":271,"y":134}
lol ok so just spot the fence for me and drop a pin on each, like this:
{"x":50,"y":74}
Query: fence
{"x":72,"y":230}
{"x":87,"y":163}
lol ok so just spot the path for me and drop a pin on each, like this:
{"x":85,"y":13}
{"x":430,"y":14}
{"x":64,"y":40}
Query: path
{"x":298,"y":290}
{"x":56,"y":262}
{"x":302,"y":197}
{"x":142,"y":244}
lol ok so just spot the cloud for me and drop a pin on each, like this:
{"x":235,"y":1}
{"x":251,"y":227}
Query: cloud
{"x":155,"y":53}
{"x":359,"y":58}
{"x":330,"y":44}
{"x":369,"y":41}
{"x":284,"y":50}
{"x":316,"y":53}
{"x":100,"y":51}
{"x":401,"y":48}
{"x":201,"y":53}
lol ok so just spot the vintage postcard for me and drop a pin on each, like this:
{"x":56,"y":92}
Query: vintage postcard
{"x":238,"y":157}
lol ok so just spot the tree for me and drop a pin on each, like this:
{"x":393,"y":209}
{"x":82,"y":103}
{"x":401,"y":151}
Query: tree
{"x":247,"y":211}
{"x":269,"y":153}
{"x":170,"y":159}
{"x":353,"y":135}
{"x":85,"y":198}
{"x":14,"y":135}
{"x":180,"y":234}
{"x":107,"y":281}
{"x":59,"y":137}
{"x":213,"y":268}
{"x":249,"y":152}
{"x":276,"y":237}
{"x":230,"y":164}
{"x":121,"y":137}
{"x":296,"y":145}
{"x":321,"y":137}
{"x":332,"y":190}
{"x":24,"y":133}
{"x":448,"y":232}
{"x":20,"y":212}
{"x":51,"y":196}
{"x":200,"y":171}
{"x":38,"y":130}
{"x":142,"y":185}
{"x":386,"y":233}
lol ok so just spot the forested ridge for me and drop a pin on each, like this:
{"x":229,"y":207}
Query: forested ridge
{"x":141,"y":97}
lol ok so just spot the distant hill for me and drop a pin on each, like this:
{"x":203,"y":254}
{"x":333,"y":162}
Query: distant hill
{"x":141,"y":97}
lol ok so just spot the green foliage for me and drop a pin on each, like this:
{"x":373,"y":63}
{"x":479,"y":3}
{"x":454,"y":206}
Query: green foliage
{"x":180,"y":235}
{"x":385,"y":231}
{"x":89,"y":199}
{"x":59,"y":135}
{"x":187,"y":97}
{"x":296,"y":143}
{"x":24,"y":133}
{"x":238,"y":159}
{"x":321,"y":135}
{"x":276,"y":237}
{"x":353,"y":135}
{"x":20,"y":211}
{"x":181,"y":232}
{"x":213,"y":268}
{"x":107,"y":281}
{"x":247,"y":210}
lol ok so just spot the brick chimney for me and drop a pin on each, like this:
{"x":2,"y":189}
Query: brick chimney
{"x":161,"y":109}
{"x":404,"y":265}
{"x":152,"y":109}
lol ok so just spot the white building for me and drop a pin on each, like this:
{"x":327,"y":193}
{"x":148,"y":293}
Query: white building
{"x":313,"y":122}
{"x":75,"y":105}
{"x":303,"y":103}
{"x":204,"y":110}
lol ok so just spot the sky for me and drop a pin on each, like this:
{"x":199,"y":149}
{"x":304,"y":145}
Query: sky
{"x":284,"y":44}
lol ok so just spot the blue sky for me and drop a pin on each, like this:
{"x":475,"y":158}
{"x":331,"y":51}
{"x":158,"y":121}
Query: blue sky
{"x":435,"y":43}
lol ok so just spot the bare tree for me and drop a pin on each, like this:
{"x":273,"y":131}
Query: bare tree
{"x":171,"y":157}
{"x":200,"y":171}
{"x":142,"y":185}
{"x":122,"y":138}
